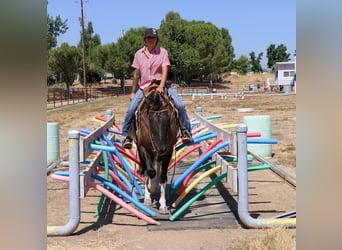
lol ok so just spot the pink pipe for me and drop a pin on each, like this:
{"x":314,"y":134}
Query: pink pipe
{"x":220,"y":124}
{"x":123,"y":152}
{"x":255,"y":134}
{"x":117,"y":179}
{"x":183,"y":155}
{"x":60,"y":177}
{"x":122,"y":203}
{"x":116,"y":159}
{"x":196,"y":130}
{"x":112,"y":197}
{"x":211,"y":146}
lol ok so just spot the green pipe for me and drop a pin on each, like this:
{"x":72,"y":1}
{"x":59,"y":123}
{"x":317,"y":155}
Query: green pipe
{"x":201,"y":92}
{"x":204,"y":166}
{"x":186,"y":205}
{"x":213,"y":117}
{"x":230,"y":159}
{"x":260,"y":167}
{"x":174,"y":191}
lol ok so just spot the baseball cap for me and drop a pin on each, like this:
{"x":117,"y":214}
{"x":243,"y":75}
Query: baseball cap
{"x":151,"y":32}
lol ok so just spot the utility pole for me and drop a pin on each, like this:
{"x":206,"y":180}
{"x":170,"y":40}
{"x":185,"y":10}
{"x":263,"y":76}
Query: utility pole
{"x":83,"y":55}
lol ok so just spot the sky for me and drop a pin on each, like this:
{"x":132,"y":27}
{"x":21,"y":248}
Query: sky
{"x":252,"y":24}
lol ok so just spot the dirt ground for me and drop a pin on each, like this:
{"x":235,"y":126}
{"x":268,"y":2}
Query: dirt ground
{"x":117,"y":229}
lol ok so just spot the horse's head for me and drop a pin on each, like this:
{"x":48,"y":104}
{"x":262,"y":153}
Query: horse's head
{"x":159,"y":115}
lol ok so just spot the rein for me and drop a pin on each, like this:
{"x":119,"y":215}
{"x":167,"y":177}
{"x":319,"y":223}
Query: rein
{"x":147,"y":121}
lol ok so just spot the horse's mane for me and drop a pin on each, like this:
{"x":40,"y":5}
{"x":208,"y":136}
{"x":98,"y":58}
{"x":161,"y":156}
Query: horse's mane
{"x":154,"y":100}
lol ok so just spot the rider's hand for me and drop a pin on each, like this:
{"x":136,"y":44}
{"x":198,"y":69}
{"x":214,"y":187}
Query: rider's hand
{"x":160,"y":89}
{"x":131,"y":96}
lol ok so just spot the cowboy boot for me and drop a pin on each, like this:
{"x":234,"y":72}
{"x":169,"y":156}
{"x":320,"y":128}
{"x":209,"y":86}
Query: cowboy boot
{"x":186,"y":136}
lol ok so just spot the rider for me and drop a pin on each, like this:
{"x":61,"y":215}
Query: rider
{"x":151,"y":64}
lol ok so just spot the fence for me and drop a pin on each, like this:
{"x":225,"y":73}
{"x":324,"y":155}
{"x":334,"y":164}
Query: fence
{"x":58,"y":97}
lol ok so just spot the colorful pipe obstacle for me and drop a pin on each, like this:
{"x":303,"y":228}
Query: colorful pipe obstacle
{"x":95,"y":150}
{"x":208,"y":139}
{"x":237,"y":178}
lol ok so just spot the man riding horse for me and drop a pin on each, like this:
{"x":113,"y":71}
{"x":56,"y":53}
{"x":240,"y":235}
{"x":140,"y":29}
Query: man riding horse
{"x":157,"y":122}
{"x":151,"y":64}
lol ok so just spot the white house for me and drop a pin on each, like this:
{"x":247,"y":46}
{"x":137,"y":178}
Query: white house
{"x":284,"y":72}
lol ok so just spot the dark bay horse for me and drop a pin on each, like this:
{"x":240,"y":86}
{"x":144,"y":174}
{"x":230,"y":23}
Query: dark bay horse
{"x":156,"y":129}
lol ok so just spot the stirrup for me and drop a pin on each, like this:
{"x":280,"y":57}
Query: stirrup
{"x":186,"y":136}
{"x":127,"y":142}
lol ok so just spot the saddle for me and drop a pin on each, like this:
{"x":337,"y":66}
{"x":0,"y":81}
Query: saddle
{"x":152,"y":87}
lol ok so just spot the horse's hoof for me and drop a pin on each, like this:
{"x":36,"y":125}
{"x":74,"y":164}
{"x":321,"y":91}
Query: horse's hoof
{"x":164,"y":210}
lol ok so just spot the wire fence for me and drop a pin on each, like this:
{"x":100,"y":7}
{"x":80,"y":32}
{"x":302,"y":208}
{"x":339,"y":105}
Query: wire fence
{"x":58,"y":97}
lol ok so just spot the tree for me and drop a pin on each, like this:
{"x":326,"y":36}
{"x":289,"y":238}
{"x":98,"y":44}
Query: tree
{"x":228,"y":59}
{"x":242,"y":65}
{"x":65,"y":62}
{"x":122,"y":53}
{"x":255,"y":61}
{"x":99,"y":59}
{"x":195,"y":48}
{"x":171,"y":15}
{"x":91,"y":42}
{"x":55,"y":27}
{"x":277,"y":54}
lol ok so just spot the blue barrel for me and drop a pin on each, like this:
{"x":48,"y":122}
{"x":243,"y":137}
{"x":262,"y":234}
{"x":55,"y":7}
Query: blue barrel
{"x":287,"y":90}
{"x":52,"y":142}
{"x":262,"y":124}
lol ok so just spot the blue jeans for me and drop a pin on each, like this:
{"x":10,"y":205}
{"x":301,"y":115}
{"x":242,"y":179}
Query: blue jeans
{"x":136,"y":100}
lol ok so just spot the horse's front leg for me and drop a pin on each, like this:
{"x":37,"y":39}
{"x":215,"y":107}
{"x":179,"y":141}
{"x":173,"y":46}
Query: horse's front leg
{"x":146,"y":163}
{"x":163,"y":209}
{"x":151,"y":186}
{"x":147,"y":195}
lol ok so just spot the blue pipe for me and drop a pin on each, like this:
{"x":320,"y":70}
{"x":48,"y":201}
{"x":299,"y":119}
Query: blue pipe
{"x":196,"y":139}
{"x":114,"y":150}
{"x":261,"y":141}
{"x":124,"y":194}
{"x":204,"y":134}
{"x":83,"y":130}
{"x":124,"y":162}
{"x":125,"y":180}
{"x":198,"y":163}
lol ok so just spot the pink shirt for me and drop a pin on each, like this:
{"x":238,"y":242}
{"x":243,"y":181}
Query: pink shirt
{"x":150,"y":66}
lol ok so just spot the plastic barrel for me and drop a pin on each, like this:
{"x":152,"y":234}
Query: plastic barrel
{"x":262,"y":124}
{"x":52,"y":142}
{"x":287,"y":90}
{"x":199,"y":110}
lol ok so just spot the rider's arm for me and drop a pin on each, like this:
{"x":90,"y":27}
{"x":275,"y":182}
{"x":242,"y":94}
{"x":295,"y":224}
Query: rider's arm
{"x":135,"y":83}
{"x":164,"y":77}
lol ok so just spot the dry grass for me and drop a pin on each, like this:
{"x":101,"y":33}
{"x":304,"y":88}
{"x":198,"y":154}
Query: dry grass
{"x":276,"y":238}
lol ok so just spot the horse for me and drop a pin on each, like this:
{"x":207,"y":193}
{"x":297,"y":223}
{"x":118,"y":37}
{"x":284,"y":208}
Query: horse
{"x":156,"y":128}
